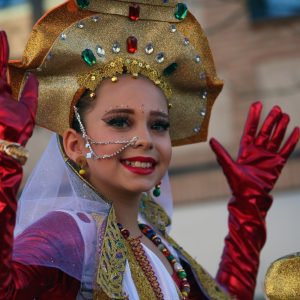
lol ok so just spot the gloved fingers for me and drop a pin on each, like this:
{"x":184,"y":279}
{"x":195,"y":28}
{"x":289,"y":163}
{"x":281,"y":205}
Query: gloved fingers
{"x":29,"y":95}
{"x":223,"y":157}
{"x":4,"y":53}
{"x":270,"y":122}
{"x":251,"y":124}
{"x":290,"y":144}
{"x":279,"y":133}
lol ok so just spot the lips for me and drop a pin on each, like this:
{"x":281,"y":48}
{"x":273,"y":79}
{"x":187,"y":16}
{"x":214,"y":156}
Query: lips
{"x":139,"y":165}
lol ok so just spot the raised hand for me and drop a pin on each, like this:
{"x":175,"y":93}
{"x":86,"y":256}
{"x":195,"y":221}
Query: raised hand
{"x":261,"y":157}
{"x":16,"y":117}
{"x":251,"y":178}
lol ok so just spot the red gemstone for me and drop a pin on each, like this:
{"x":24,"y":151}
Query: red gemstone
{"x":132,"y":44}
{"x":134,"y":12}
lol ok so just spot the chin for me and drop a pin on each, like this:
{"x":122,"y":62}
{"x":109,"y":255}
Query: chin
{"x":140,"y":189}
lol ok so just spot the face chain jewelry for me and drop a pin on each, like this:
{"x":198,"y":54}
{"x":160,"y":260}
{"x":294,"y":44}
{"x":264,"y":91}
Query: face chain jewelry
{"x":89,"y":142}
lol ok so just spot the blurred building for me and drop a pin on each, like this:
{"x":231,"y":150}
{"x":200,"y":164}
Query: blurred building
{"x":258,"y":60}
{"x":256,"y":45}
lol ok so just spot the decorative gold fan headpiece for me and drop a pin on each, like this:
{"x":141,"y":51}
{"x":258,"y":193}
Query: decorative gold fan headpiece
{"x":78,"y":44}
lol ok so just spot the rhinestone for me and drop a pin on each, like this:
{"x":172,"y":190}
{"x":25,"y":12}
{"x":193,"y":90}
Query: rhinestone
{"x":88,"y":56}
{"x":186,"y":41}
{"x":116,"y":48}
{"x":202,"y":112}
{"x":100,"y":51}
{"x":181,"y":11}
{"x":39,"y":69}
{"x":197,"y":129}
{"x":134,"y":12}
{"x":83,"y":3}
{"x":173,"y":28}
{"x":149,"y":48}
{"x":160,"y":57}
{"x":63,"y":36}
{"x":197,"y":59}
{"x":203,"y":95}
{"x":132,"y":44}
{"x":89,"y":155}
{"x":80,"y":25}
{"x":95,"y":18}
{"x":202,"y":76}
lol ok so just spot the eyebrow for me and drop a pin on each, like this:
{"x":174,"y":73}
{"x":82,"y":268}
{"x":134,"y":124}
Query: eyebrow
{"x":131,"y":111}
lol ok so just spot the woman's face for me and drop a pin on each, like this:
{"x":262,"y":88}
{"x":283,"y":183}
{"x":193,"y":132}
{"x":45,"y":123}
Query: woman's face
{"x":123,"y":110}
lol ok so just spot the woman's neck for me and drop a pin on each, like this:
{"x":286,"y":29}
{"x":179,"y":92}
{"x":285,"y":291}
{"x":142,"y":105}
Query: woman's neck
{"x":126,"y":211}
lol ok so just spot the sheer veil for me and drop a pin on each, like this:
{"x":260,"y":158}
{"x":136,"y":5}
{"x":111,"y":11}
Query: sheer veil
{"x":54,"y":186}
{"x":52,"y":189}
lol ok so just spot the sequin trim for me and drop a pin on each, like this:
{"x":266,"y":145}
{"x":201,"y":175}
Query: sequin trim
{"x":117,"y":67}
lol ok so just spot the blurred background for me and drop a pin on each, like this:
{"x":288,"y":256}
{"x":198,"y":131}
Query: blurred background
{"x":256,"y":46}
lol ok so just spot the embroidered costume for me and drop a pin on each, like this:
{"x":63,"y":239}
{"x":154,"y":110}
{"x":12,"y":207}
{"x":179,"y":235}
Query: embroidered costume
{"x":68,"y":244}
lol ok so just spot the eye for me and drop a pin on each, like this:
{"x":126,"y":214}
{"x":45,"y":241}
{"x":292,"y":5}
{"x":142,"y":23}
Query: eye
{"x":118,"y":122}
{"x":160,"y":125}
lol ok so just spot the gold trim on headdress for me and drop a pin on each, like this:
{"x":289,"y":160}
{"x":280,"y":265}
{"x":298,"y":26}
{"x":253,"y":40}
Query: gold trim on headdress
{"x":83,"y":40}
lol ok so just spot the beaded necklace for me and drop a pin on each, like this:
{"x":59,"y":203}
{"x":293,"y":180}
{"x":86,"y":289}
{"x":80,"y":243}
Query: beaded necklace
{"x":140,"y":255}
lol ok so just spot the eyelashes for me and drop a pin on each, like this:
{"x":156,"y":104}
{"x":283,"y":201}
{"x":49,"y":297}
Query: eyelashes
{"x":160,"y":125}
{"x":118,"y":122}
{"x":125,"y":122}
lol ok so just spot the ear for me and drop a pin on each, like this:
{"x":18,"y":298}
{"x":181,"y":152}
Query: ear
{"x":73,"y":144}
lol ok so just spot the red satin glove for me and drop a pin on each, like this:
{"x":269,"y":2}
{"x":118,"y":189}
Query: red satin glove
{"x":251,"y":178}
{"x":16,"y":118}
{"x":16,"y":125}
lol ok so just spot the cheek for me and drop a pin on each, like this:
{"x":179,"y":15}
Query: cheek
{"x":166,"y":150}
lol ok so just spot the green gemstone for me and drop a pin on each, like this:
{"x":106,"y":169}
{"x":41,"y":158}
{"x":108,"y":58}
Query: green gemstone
{"x":88,"y":56}
{"x":182,"y":274}
{"x":170,"y":69}
{"x":181,"y":11}
{"x":156,"y":192}
{"x":83,"y":3}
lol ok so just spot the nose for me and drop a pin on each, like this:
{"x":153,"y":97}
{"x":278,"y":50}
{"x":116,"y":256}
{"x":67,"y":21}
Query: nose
{"x":144,"y":140}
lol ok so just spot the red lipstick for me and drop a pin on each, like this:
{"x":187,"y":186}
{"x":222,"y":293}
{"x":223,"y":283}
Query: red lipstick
{"x":139,"y":164}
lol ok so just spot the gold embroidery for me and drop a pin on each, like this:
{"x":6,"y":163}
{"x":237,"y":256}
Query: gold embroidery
{"x":112,"y":261}
{"x":154,"y":213}
{"x":207,"y":282}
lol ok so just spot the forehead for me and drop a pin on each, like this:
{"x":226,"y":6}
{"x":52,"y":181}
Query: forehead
{"x":131,"y":92}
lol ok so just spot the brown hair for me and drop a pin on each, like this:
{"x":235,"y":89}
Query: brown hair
{"x":85,"y":104}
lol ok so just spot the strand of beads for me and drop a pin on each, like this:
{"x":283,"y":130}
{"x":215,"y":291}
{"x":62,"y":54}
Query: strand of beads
{"x":141,"y":257}
{"x":177,"y":267}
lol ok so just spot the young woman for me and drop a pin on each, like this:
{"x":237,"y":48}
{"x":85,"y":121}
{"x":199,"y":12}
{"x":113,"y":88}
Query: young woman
{"x":121,"y":83}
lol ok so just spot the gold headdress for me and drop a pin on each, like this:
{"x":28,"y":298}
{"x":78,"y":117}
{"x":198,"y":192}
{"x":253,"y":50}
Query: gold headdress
{"x":80,"y":43}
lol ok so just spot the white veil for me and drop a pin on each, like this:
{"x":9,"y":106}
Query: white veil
{"x":54,"y":187}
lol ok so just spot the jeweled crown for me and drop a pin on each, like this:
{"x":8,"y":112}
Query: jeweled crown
{"x":80,"y":43}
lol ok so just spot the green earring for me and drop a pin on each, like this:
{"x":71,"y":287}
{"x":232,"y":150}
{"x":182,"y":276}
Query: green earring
{"x":156,"y":191}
